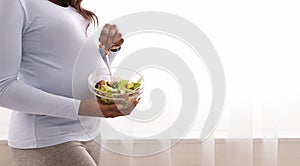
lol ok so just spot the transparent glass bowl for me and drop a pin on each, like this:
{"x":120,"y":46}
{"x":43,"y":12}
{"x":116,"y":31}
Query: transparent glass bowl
{"x":107,"y":98}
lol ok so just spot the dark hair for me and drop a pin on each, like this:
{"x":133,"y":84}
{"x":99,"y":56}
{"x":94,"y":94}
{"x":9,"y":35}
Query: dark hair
{"x":88,"y":15}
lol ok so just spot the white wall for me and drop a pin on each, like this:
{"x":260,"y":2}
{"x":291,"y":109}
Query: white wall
{"x":258,"y":43}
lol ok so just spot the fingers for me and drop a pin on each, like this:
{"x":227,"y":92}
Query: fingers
{"x":133,"y":103}
{"x":113,"y":31}
{"x":110,"y":36}
{"x":115,"y":110}
{"x":102,"y":46}
{"x":104,"y":35}
{"x":107,"y":110}
{"x":118,"y":40}
{"x":112,"y":111}
{"x":136,"y":102}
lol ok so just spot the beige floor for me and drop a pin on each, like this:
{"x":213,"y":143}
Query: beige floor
{"x":188,"y":153}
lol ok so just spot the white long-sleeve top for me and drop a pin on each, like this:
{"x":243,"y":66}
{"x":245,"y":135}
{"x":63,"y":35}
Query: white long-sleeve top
{"x":39,"y":42}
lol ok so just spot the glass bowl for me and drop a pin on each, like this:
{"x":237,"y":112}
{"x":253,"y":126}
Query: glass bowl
{"x":123,"y":97}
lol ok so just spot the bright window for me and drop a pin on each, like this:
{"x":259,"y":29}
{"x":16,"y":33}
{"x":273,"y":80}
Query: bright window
{"x":259,"y":50}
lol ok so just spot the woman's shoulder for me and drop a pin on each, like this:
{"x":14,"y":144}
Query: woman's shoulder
{"x":33,"y":7}
{"x":26,"y":3}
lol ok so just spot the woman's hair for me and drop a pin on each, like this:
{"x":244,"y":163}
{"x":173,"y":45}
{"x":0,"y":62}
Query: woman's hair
{"x":88,"y":15}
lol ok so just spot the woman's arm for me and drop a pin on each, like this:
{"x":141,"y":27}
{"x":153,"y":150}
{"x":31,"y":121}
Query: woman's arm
{"x":15,"y":94}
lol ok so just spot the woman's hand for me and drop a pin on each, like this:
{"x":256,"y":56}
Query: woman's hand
{"x":93,"y":108}
{"x":110,"y":38}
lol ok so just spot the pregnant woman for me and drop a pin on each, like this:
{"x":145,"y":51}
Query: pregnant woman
{"x":39,"y":42}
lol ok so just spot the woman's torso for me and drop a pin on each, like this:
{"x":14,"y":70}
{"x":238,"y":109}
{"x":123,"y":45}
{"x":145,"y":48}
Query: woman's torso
{"x":52,"y":37}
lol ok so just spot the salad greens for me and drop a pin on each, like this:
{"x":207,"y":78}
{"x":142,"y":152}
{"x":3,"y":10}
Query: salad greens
{"x":117,"y":89}
{"x":121,"y":86}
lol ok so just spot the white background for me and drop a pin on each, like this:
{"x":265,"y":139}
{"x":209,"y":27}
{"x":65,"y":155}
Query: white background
{"x":258,"y":43}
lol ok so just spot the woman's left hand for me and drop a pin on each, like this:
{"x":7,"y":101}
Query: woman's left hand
{"x":96,"y":109}
{"x":110,"y":38}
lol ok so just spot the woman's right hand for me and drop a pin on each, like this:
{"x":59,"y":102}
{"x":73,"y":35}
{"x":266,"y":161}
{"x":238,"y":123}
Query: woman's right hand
{"x":110,"y":38}
{"x":95,"y":109}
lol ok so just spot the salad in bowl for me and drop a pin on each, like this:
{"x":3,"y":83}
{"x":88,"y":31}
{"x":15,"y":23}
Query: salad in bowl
{"x":121,"y":87}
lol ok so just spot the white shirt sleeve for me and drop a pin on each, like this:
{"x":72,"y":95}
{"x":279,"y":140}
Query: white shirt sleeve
{"x":15,"y":94}
{"x":111,"y":55}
